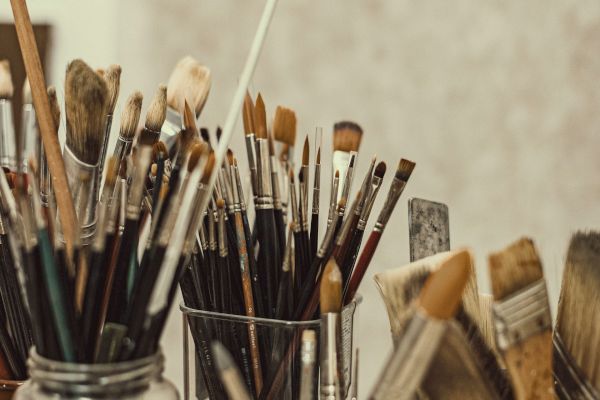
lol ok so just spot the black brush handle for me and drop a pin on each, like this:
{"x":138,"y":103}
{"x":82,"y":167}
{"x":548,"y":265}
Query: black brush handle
{"x":36,"y":298}
{"x":259,"y":305}
{"x":117,"y":305}
{"x":280,"y":231}
{"x":314,"y":235}
{"x":350,"y":258}
{"x":265,"y":227}
{"x":306,"y":258}
{"x":299,"y":262}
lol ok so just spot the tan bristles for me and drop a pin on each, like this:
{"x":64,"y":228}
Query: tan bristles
{"x":130,"y":117}
{"x":319,"y":156}
{"x":157,"y":110}
{"x":196,"y":152}
{"x":331,"y":288}
{"x":405,"y":169}
{"x":101,"y":72}
{"x":260,"y":118}
{"x":111,"y":171}
{"x":284,"y":126}
{"x":27,"y":99}
{"x":159,"y":148}
{"x":54,"y":107}
{"x":230,"y":157}
{"x":346,"y":136}
{"x":514,"y":268}
{"x":220,"y":203}
{"x":6,"y":84}
{"x":85,"y":106}
{"x":342,"y":203}
{"x":337,"y":173}
{"x":578,"y":315}
{"x":271,"y":145}
{"x":189,"y":81}
{"x":248,"y":115}
{"x":305,"y":152}
{"x":112,"y":77}
{"x":188,"y":134}
{"x":189,"y":119}
{"x":210,"y":164}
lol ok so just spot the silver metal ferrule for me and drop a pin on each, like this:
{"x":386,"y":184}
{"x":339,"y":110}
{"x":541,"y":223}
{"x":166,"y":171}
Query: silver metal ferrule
{"x":294,"y":207}
{"x":569,"y":381}
{"x":264,"y":200}
{"x":366,"y":211}
{"x":122,"y":148}
{"x":83,"y":184}
{"x":108,"y":126}
{"x":45,"y":181}
{"x":250,"y":150}
{"x":8,"y":151}
{"x":170,"y":129}
{"x":203,"y":240}
{"x":123,"y":206}
{"x":346,"y":182}
{"x":396,"y":190}
{"x":333,"y":200}
{"x":138,"y":183}
{"x":212,"y":236}
{"x":340,"y":161}
{"x":523,"y":314}
{"x":406,"y":367}
{"x":275,"y":182}
{"x":239,"y":188}
{"x":30,"y":136}
{"x":330,"y":334}
{"x":316,"y":189}
{"x":226,"y":190}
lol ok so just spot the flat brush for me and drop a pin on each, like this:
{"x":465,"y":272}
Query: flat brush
{"x":190,"y":81}
{"x":130,"y":118}
{"x":576,"y":337}
{"x":438,"y":302}
{"x":284,"y":133}
{"x":522,"y":319}
{"x":314,"y":222}
{"x":331,"y":306}
{"x":113,"y":84}
{"x":8,"y":152}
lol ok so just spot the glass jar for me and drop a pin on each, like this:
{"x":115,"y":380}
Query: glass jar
{"x":129,"y":380}
{"x":276,"y":336}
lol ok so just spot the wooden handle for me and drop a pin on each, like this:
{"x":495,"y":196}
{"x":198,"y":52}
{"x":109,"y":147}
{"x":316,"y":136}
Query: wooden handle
{"x":530,"y":366}
{"x":33,"y":67}
{"x":362,"y":265}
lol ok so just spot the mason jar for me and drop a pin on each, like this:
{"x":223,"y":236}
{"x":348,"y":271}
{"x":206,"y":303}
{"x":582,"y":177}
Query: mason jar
{"x":128,"y":380}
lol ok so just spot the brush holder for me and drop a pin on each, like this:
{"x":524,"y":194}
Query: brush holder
{"x":275,"y":338}
{"x":8,"y":388}
{"x":129,"y":380}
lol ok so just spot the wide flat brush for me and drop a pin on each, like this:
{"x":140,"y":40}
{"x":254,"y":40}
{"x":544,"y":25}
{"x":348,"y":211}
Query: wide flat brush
{"x":438,"y":302}
{"x":155,"y":117}
{"x":522,"y":318}
{"x":576,"y":336}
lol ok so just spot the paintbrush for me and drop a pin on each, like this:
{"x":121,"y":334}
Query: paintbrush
{"x":190,"y":81}
{"x":249,"y":139}
{"x":576,"y":337}
{"x":284,"y":133}
{"x":112,"y":77}
{"x":438,"y":301}
{"x":331,"y":306}
{"x":308,"y":358}
{"x":522,"y":319}
{"x":314,"y":222}
{"x":333,"y":197}
{"x":277,"y":205}
{"x":300,"y":270}
{"x":155,"y":116}
{"x":347,"y":136}
{"x":130,"y":118}
{"x":29,"y":133}
{"x":229,"y":374}
{"x":304,"y":244}
{"x":8,"y":152}
{"x":45,"y":181}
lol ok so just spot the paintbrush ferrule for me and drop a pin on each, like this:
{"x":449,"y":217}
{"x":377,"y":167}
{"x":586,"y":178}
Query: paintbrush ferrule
{"x":316,"y":189}
{"x":264,"y":186}
{"x":171,"y":127}
{"x":330,"y":381}
{"x":333,"y":200}
{"x":212,"y":236}
{"x":8,"y":151}
{"x":569,"y":381}
{"x":30,"y":136}
{"x":275,"y":182}
{"x":221,"y":233}
{"x":410,"y":361}
{"x":80,"y":175}
{"x":122,"y":148}
{"x":328,"y":238}
{"x":396,"y":190}
{"x":521,"y":315}
{"x":294,"y":207}
{"x":250,"y":150}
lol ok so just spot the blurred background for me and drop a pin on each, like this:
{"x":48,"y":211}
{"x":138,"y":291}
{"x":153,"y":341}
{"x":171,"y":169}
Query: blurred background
{"x":497,"y":101}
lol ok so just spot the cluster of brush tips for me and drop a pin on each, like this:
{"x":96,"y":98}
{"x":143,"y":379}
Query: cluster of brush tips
{"x":140,"y":231}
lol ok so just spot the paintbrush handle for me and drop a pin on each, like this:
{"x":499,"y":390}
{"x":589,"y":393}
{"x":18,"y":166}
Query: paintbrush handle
{"x":351,"y":254}
{"x":361,"y":266}
{"x":265,"y":225}
{"x":92,"y":306}
{"x":256,"y":287}
{"x":314,"y":236}
{"x":118,"y":299}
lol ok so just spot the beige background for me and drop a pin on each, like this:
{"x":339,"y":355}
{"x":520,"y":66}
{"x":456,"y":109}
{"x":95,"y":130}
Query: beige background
{"x":496,"y":101}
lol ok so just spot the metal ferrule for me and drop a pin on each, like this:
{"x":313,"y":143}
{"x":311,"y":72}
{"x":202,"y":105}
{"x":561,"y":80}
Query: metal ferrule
{"x":333,"y":200}
{"x":264,"y":200}
{"x":328,"y":238}
{"x":569,"y":381}
{"x":170,"y":129}
{"x":294,"y":207}
{"x":123,"y":208}
{"x":8,"y":151}
{"x":83,"y":184}
{"x":212,"y":236}
{"x":238,"y":188}
{"x":122,"y":148}
{"x":408,"y":364}
{"x":284,"y":165}
{"x":227,"y":191}
{"x":346,"y":182}
{"x":366,"y":211}
{"x":112,"y":207}
{"x":138,"y":183}
{"x":521,"y":315}
{"x":396,"y":190}
{"x":31,"y":141}
{"x":316,"y":189}
{"x":203,"y":240}
{"x":45,"y":181}
{"x":221,"y":233}
{"x":330,"y":333}
{"x":250,"y":149}
{"x":275,"y":183}
{"x":109,"y":119}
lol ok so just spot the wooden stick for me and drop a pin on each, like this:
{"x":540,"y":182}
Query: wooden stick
{"x":33,"y":67}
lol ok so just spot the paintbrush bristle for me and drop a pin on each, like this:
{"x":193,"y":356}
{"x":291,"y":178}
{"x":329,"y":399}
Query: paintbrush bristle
{"x":230,"y":157}
{"x":337,"y":173}
{"x":130,"y":117}
{"x":123,"y":169}
{"x":6,"y":83}
{"x":54,"y":107}
{"x":197,"y":150}
{"x":514,"y":268}
{"x":27,"y":99}
{"x":443,"y":290}
{"x":405,"y":169}
{"x":85,"y":106}
{"x":271,"y":145}
{"x":578,"y":315}
{"x":318,"y":162}
{"x":347,"y":136}
{"x":157,"y":110}
{"x":210,"y":164}
{"x":380,"y":170}
{"x":189,"y":119}
{"x":189,"y":133}
{"x":248,"y":115}
{"x":291,"y":176}
{"x":260,"y":118}
{"x":189,"y":81}
{"x":331,"y":288}
{"x":305,"y":152}
{"x":112,"y":77}
{"x":111,"y":171}
{"x":101,"y":72}
{"x":159,"y":148}
{"x":284,"y":126}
